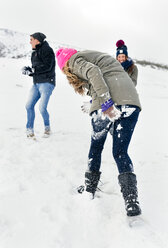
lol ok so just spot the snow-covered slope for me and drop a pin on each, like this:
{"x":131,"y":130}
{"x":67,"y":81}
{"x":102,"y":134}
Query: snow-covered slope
{"x":39,"y":206}
{"x":16,"y":45}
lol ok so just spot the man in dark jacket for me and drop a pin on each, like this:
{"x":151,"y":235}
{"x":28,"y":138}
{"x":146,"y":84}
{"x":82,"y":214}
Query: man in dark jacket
{"x":43,"y":73}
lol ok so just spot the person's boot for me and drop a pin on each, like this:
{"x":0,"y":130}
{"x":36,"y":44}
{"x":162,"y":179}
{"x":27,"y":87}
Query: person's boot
{"x":129,"y":190}
{"x":30,"y":134}
{"x":47,"y":132}
{"x":91,"y":181}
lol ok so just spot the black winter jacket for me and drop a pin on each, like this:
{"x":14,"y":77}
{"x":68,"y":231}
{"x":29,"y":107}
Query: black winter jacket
{"x":43,"y":63}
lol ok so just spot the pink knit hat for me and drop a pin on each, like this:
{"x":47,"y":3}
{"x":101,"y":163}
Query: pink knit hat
{"x":63,"y":55}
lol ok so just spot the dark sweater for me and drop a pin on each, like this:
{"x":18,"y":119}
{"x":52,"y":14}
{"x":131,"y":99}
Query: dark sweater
{"x":43,"y":62}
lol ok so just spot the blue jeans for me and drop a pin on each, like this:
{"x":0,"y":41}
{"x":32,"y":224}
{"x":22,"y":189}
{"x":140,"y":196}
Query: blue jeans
{"x":121,"y":130}
{"x":43,"y":92}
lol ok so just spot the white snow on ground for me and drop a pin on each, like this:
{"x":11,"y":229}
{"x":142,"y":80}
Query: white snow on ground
{"x":39,"y":206}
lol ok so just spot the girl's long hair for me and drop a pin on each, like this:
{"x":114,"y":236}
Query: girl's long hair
{"x":130,"y":69}
{"x":73,"y":80}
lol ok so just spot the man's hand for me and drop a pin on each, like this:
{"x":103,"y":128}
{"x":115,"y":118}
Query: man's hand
{"x":26,"y":70}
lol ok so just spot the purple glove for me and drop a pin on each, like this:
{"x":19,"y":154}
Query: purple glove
{"x":107,"y":105}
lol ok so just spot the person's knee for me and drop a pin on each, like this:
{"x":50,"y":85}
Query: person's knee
{"x":118,"y":154}
{"x":97,"y":145}
{"x":42,"y":109}
{"x":28,"y":106}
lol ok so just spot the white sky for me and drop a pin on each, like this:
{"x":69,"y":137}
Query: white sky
{"x":94,"y":24}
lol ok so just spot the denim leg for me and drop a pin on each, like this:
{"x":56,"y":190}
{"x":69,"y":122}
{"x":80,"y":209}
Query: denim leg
{"x":45,"y":90}
{"x":34,"y":96}
{"x":100,"y":128}
{"x":122,"y":133}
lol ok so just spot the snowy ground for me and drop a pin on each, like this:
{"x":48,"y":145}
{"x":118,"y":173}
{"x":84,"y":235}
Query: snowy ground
{"x":39,"y":207}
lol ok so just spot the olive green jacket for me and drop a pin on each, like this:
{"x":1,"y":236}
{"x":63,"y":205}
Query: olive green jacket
{"x":105,"y":78}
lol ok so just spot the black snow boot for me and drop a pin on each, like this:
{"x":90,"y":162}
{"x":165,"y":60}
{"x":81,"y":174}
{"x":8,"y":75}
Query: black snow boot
{"x":91,"y":181}
{"x":129,"y":190}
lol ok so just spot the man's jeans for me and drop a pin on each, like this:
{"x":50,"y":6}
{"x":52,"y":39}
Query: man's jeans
{"x":43,"y":92}
{"x":121,"y":130}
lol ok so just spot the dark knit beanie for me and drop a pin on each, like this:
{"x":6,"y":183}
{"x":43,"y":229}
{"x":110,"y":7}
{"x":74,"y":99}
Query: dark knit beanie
{"x":121,"y":48}
{"x":39,"y":36}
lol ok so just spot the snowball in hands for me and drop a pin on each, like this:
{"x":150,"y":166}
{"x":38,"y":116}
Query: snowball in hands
{"x":26,"y":70}
{"x":112,"y":113}
{"x":86,"y":107}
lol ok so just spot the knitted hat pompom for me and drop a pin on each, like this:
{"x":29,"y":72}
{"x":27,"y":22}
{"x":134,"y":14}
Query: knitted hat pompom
{"x":120,"y":43}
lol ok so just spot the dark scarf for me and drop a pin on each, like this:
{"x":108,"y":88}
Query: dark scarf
{"x":126,"y":64}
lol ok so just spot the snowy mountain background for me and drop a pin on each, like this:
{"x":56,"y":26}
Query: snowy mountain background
{"x":39,"y":206}
{"x":16,"y":44}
